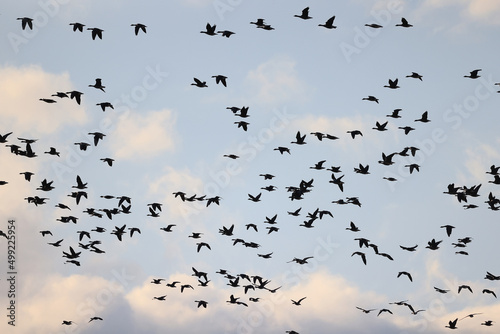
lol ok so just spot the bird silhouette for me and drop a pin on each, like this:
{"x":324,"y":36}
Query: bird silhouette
{"x":473,"y":74}
{"x":98,"y":85}
{"x":220,"y":79}
{"x":77,"y":26}
{"x":138,"y":27}
{"x":209,"y":30}
{"x":329,"y":23}
{"x":304,"y":15}
{"x":404,"y":23}
{"x":96,"y":32}
{"x":297,"y":303}
{"x":26,"y":21}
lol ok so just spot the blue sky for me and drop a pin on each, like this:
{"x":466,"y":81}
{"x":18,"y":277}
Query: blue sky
{"x":167,"y":135}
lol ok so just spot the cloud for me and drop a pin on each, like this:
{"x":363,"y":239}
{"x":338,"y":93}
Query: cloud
{"x":482,"y":11}
{"x":23,"y":112}
{"x":142,"y":136}
{"x":277,"y":81}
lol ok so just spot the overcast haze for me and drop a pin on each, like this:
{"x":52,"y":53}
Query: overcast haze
{"x":167,"y":135}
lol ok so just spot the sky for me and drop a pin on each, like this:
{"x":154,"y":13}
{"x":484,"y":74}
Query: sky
{"x":167,"y":135}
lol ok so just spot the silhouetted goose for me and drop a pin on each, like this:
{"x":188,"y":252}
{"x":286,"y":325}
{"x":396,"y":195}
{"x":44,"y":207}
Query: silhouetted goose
{"x":473,"y":74}
{"x":409,"y":249}
{"x":441,"y":290}
{"x":68,"y":322}
{"x":97,"y":136}
{"x":26,"y":21}
{"x":297,"y":303}
{"x":109,"y":161}
{"x":433,"y":244}
{"x":370,"y":98}
{"x":413,"y":167}
{"x":380,"y":127}
{"x":387,"y":159}
{"x":318,"y":165}
{"x":452,"y":324}
{"x":424,"y":118}
{"x":393,"y":84}
{"x":254,"y":198}
{"x":56,"y":244}
{"x":449,"y":229}
{"x":77,"y":26}
{"x":373,"y":25}
{"x":242,"y":124}
{"x":496,"y":180}
{"x":407,"y":275}
{"x":304,"y":15}
{"x":361,"y":254}
{"x":134,"y":230}
{"x":329,"y":23}
{"x":96,"y":32}
{"x":48,"y":100}
{"x":210,"y":30}
{"x":60,"y":95}
{"x":243,"y":112}
{"x":364,"y":310}
{"x":202,"y":244}
{"x":161,"y":298}
{"x":265,"y":256}
{"x":294,"y":213}
{"x":220,"y":79}
{"x":407,"y":129}
{"x":52,"y":151}
{"x":105,"y":105}
{"x":266,"y":27}
{"x":463,"y":286}
{"x":225,"y":33}
{"x":404,"y":23}
{"x":338,"y":181}
{"x":227,"y":231}
{"x":299,"y":140}
{"x":95,"y":318}
{"x":138,"y":27}
{"x":415,"y":75}
{"x":98,"y":85}
{"x":198,"y":83}
{"x":75,"y":95}
{"x":259,"y":22}
{"x":282,"y":149}
{"x":384,"y":310}
{"x":27,"y":175}
{"x":269,"y":188}
{"x":355,"y":133}
{"x":493,"y":170}
{"x":487,"y":323}
{"x":72,"y":254}
{"x":352,"y":227}
{"x":490,"y":292}
{"x":362,"y":169}
{"x":3,"y":138}
{"x":201,"y":303}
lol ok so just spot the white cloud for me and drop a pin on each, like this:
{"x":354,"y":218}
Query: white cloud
{"x":277,"y":81}
{"x":23,"y":112}
{"x":140,"y":136}
{"x":483,"y":11}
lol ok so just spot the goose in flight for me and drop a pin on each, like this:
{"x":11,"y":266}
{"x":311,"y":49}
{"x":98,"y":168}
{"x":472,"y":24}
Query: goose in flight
{"x":26,"y":21}
{"x":433,"y":244}
{"x":424,"y":118}
{"x":490,"y":292}
{"x":97,"y":136}
{"x":373,"y":25}
{"x":60,"y":95}
{"x":255,"y":198}
{"x":95,"y":318}
{"x":242,"y":124}
{"x":52,"y":151}
{"x":384,"y":310}
{"x":304,"y":15}
{"x":48,"y":100}
{"x":77,"y":26}
{"x":409,"y":249}
{"x":138,"y":27}
{"x":96,"y":32}
{"x":299,"y":140}
{"x":98,"y":84}
{"x":74,"y":94}
{"x":329,"y":23}
{"x":282,"y":149}
{"x":297,"y":303}
{"x":68,"y":322}
{"x":3,"y":138}
{"x":168,"y":228}
{"x":370,"y":98}
{"x":415,"y":75}
{"x":105,"y":105}
{"x":352,"y":227}
{"x":355,"y":133}
{"x":220,"y":79}
{"x":449,"y":229}
{"x":226,"y":33}
{"x":473,"y":74}
{"x":404,"y":23}
{"x":56,"y":244}
{"x":463,"y":286}
{"x":452,"y":324}
{"x":161,"y":298}
{"x":201,"y":303}
{"x":407,"y":275}
{"x":380,"y":127}
{"x":393,"y":84}
{"x":209,"y":30}
{"x":362,"y":169}
{"x":407,"y":129}
{"x":361,"y":254}
{"x":198,"y":83}
{"x":109,"y":161}
{"x":364,"y":310}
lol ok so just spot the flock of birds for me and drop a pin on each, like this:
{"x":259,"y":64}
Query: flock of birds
{"x":247,"y":283}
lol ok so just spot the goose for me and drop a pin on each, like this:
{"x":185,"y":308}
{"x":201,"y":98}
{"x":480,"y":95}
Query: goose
{"x":243,"y":125}
{"x":75,"y":95}
{"x":26,"y":21}
{"x":370,"y":98}
{"x":415,"y":75}
{"x":329,"y":23}
{"x":60,"y":95}
{"x":98,"y":84}
{"x":352,"y":227}
{"x":452,"y":324}
{"x":297,"y":303}
{"x":77,"y":26}
{"x":473,"y":74}
{"x":95,"y":318}
{"x":424,"y":118}
{"x":393,"y":84}
{"x":220,"y":79}
{"x":48,"y":100}
{"x":96,"y":32}
{"x":3,"y":138}
{"x":97,"y":136}
{"x":407,"y":275}
{"x":304,"y":15}
{"x":226,"y":33}
{"x":404,"y":23}
{"x":373,"y":25}
{"x":105,"y":105}
{"x":380,"y":127}
{"x":299,"y":139}
{"x":138,"y":27}
{"x":210,"y":30}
